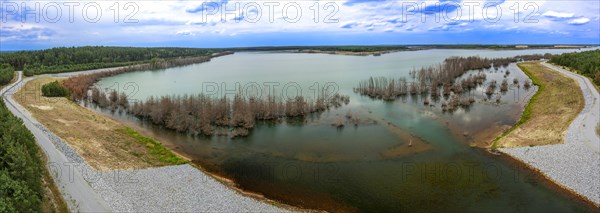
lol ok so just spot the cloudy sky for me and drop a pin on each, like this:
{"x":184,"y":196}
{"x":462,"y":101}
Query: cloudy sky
{"x":228,"y":23}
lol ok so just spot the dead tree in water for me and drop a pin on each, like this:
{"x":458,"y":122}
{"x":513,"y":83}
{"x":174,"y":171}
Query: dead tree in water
{"x":504,"y":86}
{"x":201,"y":114}
{"x":527,"y":84}
{"x":447,"y":76}
{"x":491,"y":88}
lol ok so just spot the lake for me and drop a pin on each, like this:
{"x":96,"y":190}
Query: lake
{"x":369,"y":167}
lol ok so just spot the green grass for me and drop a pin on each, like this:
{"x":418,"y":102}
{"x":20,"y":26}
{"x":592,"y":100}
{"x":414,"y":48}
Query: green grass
{"x":156,"y":149}
{"x":528,"y":108}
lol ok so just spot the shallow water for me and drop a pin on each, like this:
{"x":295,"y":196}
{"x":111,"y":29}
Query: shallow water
{"x":369,"y":167}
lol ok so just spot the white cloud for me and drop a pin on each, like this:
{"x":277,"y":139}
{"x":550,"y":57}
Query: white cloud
{"x":579,"y":21}
{"x":159,"y":21}
{"x":185,"y":33}
{"x":554,"y":14}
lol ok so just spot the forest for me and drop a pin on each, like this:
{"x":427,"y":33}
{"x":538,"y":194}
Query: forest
{"x":586,"y":63}
{"x":6,"y":73}
{"x":80,"y":84}
{"x":66,"y":59}
{"x":20,"y":166}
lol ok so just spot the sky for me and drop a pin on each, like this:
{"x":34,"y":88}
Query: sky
{"x":27,"y":25}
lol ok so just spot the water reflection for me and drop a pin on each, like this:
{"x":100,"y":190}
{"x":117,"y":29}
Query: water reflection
{"x":370,"y":167}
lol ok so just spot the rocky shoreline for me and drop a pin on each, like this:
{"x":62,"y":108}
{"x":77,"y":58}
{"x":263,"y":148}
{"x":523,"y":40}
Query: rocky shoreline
{"x":573,"y":165}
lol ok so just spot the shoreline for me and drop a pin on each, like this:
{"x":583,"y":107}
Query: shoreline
{"x":485,"y":140}
{"x":231,"y":184}
{"x":554,"y":185}
{"x":573,"y":162}
{"x":546,"y":180}
{"x":225,"y":182}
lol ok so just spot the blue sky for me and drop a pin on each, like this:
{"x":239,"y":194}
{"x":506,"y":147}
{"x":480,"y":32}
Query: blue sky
{"x":228,"y":23}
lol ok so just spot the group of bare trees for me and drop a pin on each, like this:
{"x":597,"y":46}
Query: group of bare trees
{"x":201,"y":114}
{"x":445,"y":79}
{"x":113,"y":100}
{"x":205,"y":115}
{"x":431,"y":79}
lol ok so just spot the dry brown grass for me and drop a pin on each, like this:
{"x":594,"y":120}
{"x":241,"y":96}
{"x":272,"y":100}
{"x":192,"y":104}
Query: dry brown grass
{"x":101,"y":141}
{"x":53,"y":200}
{"x":559,"y":101}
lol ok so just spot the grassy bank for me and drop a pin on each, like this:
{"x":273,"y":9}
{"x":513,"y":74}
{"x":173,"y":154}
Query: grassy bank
{"x":53,"y":200}
{"x":155,"y":149}
{"x":548,"y":114}
{"x":105,"y":144}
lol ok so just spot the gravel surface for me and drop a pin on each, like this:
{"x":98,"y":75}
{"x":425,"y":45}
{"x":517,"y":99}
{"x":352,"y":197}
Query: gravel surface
{"x":171,"y":188}
{"x":576,"y":163}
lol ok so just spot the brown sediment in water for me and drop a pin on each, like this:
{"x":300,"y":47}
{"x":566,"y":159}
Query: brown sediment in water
{"x":413,"y":144}
{"x":257,"y":190}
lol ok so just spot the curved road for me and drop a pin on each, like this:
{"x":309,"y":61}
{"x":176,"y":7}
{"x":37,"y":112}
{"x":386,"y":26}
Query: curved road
{"x":584,"y":126}
{"x":77,"y":192}
{"x":574,"y":164}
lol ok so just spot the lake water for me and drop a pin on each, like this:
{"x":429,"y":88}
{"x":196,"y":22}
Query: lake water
{"x":369,"y":167}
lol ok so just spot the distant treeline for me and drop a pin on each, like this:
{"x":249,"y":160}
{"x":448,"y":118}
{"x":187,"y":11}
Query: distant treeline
{"x":6,"y":73}
{"x":496,"y":46}
{"x":324,"y":48}
{"x":80,"y":84}
{"x":66,"y":59}
{"x":20,"y":166}
{"x":587,"y":63}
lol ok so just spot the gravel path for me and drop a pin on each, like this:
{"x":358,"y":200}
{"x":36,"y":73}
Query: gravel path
{"x":62,"y":164}
{"x":172,"y":188}
{"x":575,"y":164}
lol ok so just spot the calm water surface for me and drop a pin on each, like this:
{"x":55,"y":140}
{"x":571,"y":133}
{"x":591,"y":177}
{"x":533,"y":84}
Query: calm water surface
{"x":365,"y":168}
